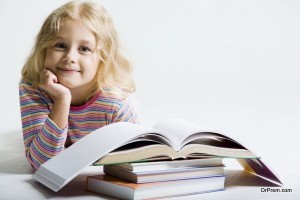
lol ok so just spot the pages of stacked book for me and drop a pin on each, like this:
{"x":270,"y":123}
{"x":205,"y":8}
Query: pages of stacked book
{"x":166,"y":165}
{"x":162,"y":175}
{"x":117,"y":188}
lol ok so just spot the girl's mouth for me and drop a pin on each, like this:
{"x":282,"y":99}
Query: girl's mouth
{"x":67,"y":70}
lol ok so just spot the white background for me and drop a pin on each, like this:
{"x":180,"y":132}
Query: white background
{"x":230,"y":65}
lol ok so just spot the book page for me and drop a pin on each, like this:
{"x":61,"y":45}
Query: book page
{"x":260,"y":169}
{"x":88,"y":149}
{"x":177,"y":130}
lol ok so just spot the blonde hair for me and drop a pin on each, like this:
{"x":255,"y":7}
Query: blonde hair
{"x":114,"y":70}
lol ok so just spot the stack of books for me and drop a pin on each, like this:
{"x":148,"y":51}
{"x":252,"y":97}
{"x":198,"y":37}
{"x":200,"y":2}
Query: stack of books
{"x":159,"y":179}
{"x":125,"y":142}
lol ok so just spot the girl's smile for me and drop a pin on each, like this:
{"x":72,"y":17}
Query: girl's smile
{"x":67,"y":70}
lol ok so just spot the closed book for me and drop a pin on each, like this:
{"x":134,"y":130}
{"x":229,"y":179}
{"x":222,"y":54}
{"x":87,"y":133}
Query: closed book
{"x":162,"y":175}
{"x":166,"y":165}
{"x":121,"y":189}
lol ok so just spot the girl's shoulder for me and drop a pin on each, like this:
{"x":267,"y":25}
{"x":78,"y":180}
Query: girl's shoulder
{"x":114,"y":99}
{"x":110,"y":98}
{"x":24,"y":83}
{"x":28,"y":88}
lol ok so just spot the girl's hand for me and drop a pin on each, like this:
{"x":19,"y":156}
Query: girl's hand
{"x":49,"y":83}
{"x":62,"y":97}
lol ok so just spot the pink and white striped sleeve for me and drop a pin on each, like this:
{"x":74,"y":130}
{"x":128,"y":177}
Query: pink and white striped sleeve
{"x":42,"y":138}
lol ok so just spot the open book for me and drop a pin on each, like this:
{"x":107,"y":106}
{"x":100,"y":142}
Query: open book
{"x":128,"y":142}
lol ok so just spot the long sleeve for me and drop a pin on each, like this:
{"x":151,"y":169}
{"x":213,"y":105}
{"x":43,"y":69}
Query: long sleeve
{"x":42,"y":138}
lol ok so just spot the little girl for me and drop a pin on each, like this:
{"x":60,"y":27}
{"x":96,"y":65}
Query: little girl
{"x":75,"y":81}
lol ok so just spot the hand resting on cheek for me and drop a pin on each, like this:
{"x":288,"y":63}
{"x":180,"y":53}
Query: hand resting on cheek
{"x":49,"y":82}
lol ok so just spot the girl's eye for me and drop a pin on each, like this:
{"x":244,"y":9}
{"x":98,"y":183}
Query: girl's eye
{"x":84,"y":49}
{"x":60,"y":45}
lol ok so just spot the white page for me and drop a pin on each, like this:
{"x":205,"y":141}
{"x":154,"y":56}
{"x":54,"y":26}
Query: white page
{"x":178,"y":130}
{"x":67,"y":164}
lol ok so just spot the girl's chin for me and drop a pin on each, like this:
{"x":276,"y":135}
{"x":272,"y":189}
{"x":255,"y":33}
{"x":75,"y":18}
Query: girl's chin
{"x":68,"y":84}
{"x":73,"y":84}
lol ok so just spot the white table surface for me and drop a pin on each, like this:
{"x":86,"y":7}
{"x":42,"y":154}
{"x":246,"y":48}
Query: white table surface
{"x":16,"y":180}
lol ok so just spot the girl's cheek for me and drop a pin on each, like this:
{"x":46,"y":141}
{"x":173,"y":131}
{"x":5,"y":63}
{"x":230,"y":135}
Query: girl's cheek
{"x":50,"y":59}
{"x":47,"y":63}
{"x":47,"y":58}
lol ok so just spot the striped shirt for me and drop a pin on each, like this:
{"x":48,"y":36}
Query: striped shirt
{"x":43,"y":139}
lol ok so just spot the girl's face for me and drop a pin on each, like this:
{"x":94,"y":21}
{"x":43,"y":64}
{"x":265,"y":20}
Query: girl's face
{"x":73,"y":57}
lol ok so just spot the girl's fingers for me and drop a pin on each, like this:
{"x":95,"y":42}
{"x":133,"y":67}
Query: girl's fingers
{"x":51,"y":77}
{"x":48,"y":77}
{"x":54,"y":78}
{"x":49,"y":83}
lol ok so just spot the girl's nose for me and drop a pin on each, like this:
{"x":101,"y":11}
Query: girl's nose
{"x":71,"y":56}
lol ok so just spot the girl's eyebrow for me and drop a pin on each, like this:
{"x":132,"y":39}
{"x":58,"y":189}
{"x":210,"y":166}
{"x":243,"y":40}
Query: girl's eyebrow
{"x":85,"y":42}
{"x":58,"y":38}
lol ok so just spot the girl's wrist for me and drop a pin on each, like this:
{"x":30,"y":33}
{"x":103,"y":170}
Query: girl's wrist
{"x":63,"y":99}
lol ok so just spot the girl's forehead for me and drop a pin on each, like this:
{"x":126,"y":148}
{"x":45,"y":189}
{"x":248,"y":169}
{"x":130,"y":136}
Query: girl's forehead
{"x":75,"y":29}
{"x":70,"y":24}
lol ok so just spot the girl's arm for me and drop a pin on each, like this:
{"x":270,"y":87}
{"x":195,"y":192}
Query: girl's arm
{"x":44,"y":126}
{"x":42,"y":138}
